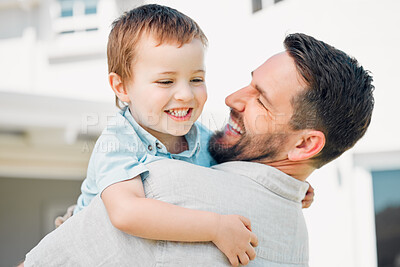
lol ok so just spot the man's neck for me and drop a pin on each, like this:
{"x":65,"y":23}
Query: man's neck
{"x":299,"y":170}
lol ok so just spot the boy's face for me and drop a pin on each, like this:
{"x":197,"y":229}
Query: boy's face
{"x":167,"y":91}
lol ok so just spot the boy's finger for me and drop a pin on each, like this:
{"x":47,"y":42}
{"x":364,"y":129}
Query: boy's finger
{"x":244,"y":259}
{"x":310,"y":188}
{"x":309,"y":196}
{"x":234,"y":261}
{"x":251,"y":252}
{"x":253,"y":239}
{"x":306,"y":204}
{"x":246,"y":222}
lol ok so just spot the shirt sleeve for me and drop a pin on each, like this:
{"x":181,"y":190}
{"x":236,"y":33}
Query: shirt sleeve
{"x":116,"y":160}
{"x":117,"y":156}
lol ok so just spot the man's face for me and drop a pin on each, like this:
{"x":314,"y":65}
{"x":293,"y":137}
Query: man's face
{"x":258,"y":128}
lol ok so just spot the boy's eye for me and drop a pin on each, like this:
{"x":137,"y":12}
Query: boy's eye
{"x":164,"y":82}
{"x":197,"y":80}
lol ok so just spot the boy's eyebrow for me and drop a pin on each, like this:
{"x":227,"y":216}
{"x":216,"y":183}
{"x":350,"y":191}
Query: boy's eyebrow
{"x":168,"y":72}
{"x":174,"y":72}
{"x":200,"y":71}
{"x":262,"y":92}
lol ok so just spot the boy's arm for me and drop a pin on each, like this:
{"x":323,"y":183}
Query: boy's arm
{"x":136,"y":215}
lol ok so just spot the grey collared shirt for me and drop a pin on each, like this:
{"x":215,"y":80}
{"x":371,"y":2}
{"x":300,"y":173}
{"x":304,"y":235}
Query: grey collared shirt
{"x":268,"y":197}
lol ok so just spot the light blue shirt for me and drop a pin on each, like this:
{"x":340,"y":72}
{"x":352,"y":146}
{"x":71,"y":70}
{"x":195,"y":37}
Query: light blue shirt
{"x":124,"y":148}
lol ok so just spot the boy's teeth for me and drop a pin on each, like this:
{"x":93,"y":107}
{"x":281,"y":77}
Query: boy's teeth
{"x":235,"y":126}
{"x":178,"y":112}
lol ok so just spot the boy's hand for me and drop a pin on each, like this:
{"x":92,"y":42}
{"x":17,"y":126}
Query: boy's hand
{"x":235,"y":239}
{"x":309,"y":198}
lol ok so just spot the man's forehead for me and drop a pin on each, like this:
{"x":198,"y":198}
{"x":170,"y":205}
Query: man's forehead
{"x":280,"y":69}
{"x":278,"y":81}
{"x":276,"y":60}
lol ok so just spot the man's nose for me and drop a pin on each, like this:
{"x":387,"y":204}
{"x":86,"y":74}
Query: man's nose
{"x":237,"y":100}
{"x":184,"y":93}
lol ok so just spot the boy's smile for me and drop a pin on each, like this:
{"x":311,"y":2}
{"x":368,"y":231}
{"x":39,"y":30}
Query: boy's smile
{"x":167,"y":91}
{"x":180,"y":114}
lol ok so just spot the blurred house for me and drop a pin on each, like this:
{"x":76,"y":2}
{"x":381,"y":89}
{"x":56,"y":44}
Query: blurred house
{"x":55,"y":100}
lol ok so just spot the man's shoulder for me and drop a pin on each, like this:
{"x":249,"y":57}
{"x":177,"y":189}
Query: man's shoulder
{"x":271,"y":178}
{"x":252,"y":170}
{"x":233,"y":188}
{"x":165,"y":167}
{"x":243,"y":167}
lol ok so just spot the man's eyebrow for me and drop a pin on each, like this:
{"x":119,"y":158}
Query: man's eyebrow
{"x":262,"y":92}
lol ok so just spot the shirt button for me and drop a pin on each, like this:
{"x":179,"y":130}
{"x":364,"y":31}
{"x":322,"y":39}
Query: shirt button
{"x":158,"y":145}
{"x":150,"y":148}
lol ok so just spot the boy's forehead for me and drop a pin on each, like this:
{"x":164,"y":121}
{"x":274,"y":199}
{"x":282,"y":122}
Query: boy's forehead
{"x":151,"y":41}
{"x":149,"y":50}
{"x":154,"y":39}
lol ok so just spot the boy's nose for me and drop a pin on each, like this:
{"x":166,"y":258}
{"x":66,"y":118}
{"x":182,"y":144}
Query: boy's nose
{"x":237,"y":100}
{"x":184,"y":93}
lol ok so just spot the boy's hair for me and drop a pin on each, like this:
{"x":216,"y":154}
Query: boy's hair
{"x":338,"y":99}
{"x":165,"y":24}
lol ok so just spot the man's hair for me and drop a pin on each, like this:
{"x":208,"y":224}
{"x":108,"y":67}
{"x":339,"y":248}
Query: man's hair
{"x":338,"y":99}
{"x":165,"y":24}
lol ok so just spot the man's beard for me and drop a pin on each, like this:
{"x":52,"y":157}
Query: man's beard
{"x":249,"y":148}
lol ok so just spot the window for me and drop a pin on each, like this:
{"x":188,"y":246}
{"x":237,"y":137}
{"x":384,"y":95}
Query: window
{"x":257,"y":5}
{"x":66,"y":8}
{"x":90,"y":7}
{"x":71,"y":8}
{"x":386,"y":188}
{"x":75,"y":16}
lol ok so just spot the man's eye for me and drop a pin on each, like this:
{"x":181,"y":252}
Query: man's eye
{"x":261,"y":103}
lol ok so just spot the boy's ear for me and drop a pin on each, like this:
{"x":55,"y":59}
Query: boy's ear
{"x":118,"y":87}
{"x":309,"y":145}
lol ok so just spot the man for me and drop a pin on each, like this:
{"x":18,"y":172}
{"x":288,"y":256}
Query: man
{"x":303,"y":108}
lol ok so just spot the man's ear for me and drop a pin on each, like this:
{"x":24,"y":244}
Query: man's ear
{"x":118,"y":87}
{"x":309,"y":145}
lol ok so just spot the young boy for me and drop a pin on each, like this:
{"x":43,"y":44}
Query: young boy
{"x":156,"y":66}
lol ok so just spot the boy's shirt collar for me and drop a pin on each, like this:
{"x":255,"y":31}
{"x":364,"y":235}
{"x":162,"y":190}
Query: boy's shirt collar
{"x":155,"y":146}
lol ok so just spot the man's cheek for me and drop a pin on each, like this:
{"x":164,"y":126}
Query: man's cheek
{"x":280,"y":123}
{"x":264,"y":123}
{"x":260,"y":125}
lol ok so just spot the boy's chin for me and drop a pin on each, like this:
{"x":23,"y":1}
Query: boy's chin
{"x":178,"y":132}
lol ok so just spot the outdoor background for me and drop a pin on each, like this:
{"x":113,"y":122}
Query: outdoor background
{"x":55,"y":100}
